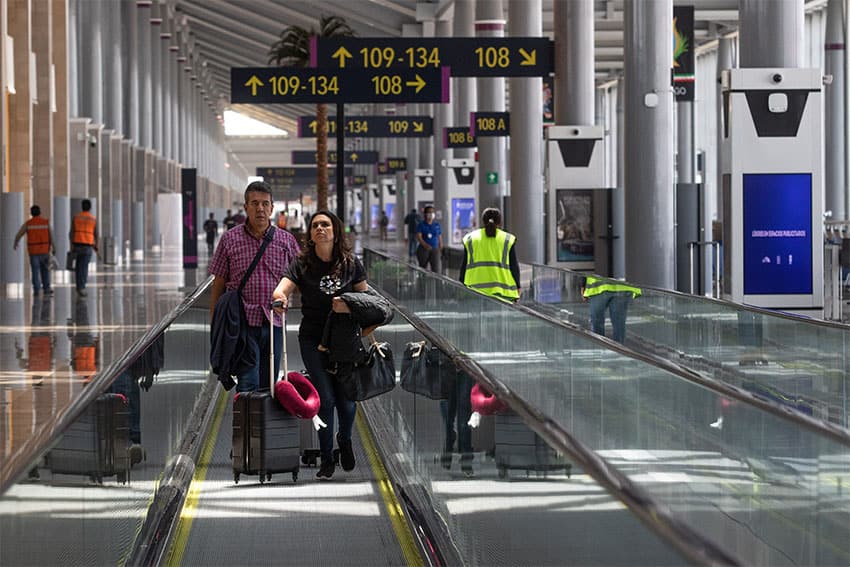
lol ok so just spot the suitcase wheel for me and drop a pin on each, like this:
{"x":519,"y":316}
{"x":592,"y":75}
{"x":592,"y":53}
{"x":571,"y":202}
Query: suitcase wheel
{"x":236,"y":478}
{"x":121,"y":477}
{"x":294,"y":476}
{"x":269,"y":477}
{"x":262,"y":478}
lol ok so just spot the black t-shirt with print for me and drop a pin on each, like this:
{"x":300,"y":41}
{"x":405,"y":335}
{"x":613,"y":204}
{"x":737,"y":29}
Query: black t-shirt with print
{"x":318,"y":288}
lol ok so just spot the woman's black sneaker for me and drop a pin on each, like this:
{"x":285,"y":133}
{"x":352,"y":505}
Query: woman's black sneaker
{"x":326,"y":471}
{"x":346,"y":453}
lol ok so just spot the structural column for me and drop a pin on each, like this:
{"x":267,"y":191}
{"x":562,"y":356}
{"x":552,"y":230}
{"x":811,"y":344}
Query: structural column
{"x":42,"y":119}
{"x":156,"y":77}
{"x":771,"y":33}
{"x":574,"y":84}
{"x":463,"y":88}
{"x":835,"y":154}
{"x":526,"y":142}
{"x":650,"y":236}
{"x":442,"y":120}
{"x":491,"y":98}
{"x":59,"y":31}
{"x":20,"y":103}
{"x":143,"y":61}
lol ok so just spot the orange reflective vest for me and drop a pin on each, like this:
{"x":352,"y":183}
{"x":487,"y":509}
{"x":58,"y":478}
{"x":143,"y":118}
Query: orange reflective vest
{"x":38,"y":236}
{"x":84,"y":224}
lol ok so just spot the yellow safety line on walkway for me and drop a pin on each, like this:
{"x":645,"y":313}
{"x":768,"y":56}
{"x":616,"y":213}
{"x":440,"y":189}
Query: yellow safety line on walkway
{"x":184,"y":527}
{"x":401,"y":527}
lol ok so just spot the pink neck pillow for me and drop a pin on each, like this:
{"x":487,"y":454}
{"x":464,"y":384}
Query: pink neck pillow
{"x":298,"y":396}
{"x":484,"y":402}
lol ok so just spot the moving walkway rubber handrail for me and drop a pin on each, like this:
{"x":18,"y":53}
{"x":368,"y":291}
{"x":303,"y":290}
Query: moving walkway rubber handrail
{"x":658,"y":517}
{"x":18,"y":463}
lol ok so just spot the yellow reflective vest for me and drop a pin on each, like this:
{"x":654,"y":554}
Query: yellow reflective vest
{"x":595,"y":286}
{"x":488,"y":269}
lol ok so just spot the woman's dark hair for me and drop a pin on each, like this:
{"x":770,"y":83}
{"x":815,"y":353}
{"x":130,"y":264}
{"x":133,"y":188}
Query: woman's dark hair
{"x":491,"y":219}
{"x":343,"y":256}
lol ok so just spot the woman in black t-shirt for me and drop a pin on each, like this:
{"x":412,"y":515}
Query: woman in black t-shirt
{"x":326,"y":268}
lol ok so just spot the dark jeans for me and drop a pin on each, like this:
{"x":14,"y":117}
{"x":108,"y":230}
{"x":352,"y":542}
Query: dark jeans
{"x":456,"y":411}
{"x":430,"y":256}
{"x":331,"y":394}
{"x":81,"y":265}
{"x":617,"y":303}
{"x":210,"y":243}
{"x":40,"y":267}
{"x":258,"y":377}
{"x":412,"y":245}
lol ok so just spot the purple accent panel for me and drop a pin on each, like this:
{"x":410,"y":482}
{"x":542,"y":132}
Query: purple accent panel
{"x":472,"y":123}
{"x":314,"y":52}
{"x":300,"y":126}
{"x":447,"y":83}
{"x":445,"y":137}
{"x":489,"y":26}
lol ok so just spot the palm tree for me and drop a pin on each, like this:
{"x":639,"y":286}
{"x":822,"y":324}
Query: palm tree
{"x":293,"y":50}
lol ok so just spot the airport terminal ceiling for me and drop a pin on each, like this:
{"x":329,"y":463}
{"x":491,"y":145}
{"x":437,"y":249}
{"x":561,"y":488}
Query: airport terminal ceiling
{"x":237,"y":33}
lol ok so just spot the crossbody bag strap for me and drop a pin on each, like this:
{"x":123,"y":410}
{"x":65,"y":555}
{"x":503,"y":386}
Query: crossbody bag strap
{"x":266,"y":239}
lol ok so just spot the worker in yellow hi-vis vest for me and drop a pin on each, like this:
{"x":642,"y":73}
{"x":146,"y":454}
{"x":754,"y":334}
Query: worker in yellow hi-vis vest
{"x":611,"y":295}
{"x":489,"y":263}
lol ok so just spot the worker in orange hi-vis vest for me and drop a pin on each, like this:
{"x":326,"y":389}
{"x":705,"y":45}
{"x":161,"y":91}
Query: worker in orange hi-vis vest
{"x":83,"y":239}
{"x":40,"y":245}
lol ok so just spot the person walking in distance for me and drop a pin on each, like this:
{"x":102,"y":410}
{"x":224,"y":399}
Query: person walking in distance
{"x":229,"y":220}
{"x":412,"y":221}
{"x":233,"y":257}
{"x":489,"y":265}
{"x":40,"y":245}
{"x":83,"y":241}
{"x":384,"y":224}
{"x":211,"y":229}
{"x":326,"y":269}
{"x":430,"y":238}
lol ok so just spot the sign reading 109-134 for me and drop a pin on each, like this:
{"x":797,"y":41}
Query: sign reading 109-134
{"x":264,"y":85}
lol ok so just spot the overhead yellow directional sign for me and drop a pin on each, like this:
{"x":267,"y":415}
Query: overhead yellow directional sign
{"x":466,"y":56}
{"x":489,"y":124}
{"x":371,"y":126}
{"x":262,"y":85}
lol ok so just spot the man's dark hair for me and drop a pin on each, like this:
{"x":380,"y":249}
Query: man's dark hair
{"x":258,"y":187}
{"x":35,"y":210}
{"x":86,"y":205}
{"x":425,"y":210}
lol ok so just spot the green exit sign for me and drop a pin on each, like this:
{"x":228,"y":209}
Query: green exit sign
{"x":492,"y":177}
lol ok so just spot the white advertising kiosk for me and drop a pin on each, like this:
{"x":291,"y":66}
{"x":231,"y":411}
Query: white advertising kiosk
{"x":463,"y":213}
{"x":772,"y":183}
{"x":388,"y":201}
{"x":578,"y":204}
{"x":423,"y":188}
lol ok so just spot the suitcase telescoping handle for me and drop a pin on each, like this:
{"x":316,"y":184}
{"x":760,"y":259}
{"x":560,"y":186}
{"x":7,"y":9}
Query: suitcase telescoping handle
{"x":272,"y":377}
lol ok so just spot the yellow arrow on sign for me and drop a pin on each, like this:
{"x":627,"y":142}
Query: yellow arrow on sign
{"x":418,"y":126}
{"x":528,"y":58}
{"x":254,"y":82}
{"x":419,"y":83}
{"x":354,"y":156}
{"x":342,"y":53}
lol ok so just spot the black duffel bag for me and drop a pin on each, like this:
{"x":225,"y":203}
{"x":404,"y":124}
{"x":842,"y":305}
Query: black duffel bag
{"x":428,"y":371}
{"x":374,"y":376}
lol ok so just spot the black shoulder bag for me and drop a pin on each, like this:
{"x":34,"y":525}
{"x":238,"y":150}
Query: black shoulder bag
{"x":229,"y":355}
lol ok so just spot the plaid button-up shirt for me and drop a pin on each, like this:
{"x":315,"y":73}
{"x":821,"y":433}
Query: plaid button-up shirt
{"x":233,"y":257}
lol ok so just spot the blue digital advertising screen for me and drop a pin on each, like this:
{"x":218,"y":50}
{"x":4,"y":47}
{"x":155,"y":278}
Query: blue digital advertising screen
{"x":463,"y":219}
{"x":374,"y":216}
{"x":777,"y":233}
{"x":389,"y":208}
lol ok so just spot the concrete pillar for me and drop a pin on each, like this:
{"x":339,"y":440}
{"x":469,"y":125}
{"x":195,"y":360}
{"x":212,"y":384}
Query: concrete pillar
{"x":835,"y":151}
{"x":143,"y":61}
{"x":95,"y":165}
{"x":650,"y":236}
{"x":61,"y":224}
{"x":442,"y":120}
{"x":618,"y":199}
{"x":91,"y":61}
{"x":19,"y":173}
{"x":463,"y":88}
{"x":78,"y":158}
{"x":130,"y":47}
{"x":11,"y":262}
{"x":113,"y":93}
{"x":166,"y":61}
{"x":771,"y":33}
{"x":687,"y":220}
{"x":491,"y":98}
{"x":574,"y":61}
{"x":156,"y":76}
{"x":42,"y":132}
{"x":137,"y":243}
{"x":61,"y":81}
{"x":526,"y":17}
{"x":73,"y":59}
{"x":127,"y":179}
{"x":726,"y":59}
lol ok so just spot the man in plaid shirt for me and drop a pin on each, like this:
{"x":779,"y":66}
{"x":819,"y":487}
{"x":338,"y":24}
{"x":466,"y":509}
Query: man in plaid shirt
{"x":233,"y":256}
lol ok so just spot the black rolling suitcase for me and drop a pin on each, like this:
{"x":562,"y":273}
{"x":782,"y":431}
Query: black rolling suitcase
{"x":97,"y":443}
{"x":518,"y":447}
{"x":266,"y":437}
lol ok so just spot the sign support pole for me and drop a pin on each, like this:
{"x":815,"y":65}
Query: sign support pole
{"x":340,"y":159}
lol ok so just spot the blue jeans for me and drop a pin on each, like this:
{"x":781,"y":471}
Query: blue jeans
{"x":457,"y":409}
{"x":257,"y":378}
{"x":412,"y":245}
{"x":81,"y":265}
{"x":331,"y":395}
{"x":617,"y":303}
{"x":40,"y":267}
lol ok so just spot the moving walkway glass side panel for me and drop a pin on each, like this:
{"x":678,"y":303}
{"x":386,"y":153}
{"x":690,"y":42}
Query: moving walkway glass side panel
{"x":85,"y":498}
{"x":544,"y":512}
{"x":767,"y":489}
{"x":793,"y":361}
